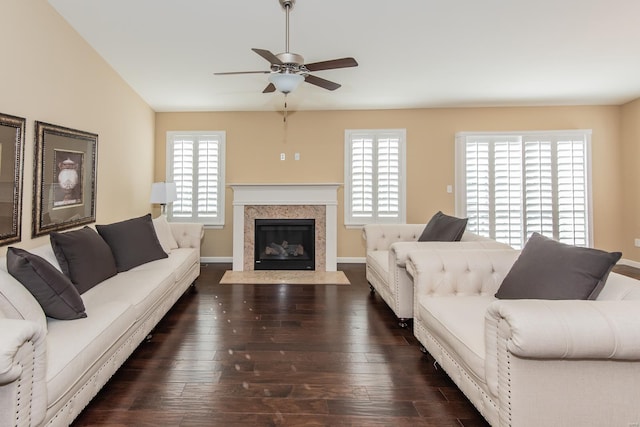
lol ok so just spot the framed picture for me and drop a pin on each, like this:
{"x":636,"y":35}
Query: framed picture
{"x":11,"y":168}
{"x":64,"y":183}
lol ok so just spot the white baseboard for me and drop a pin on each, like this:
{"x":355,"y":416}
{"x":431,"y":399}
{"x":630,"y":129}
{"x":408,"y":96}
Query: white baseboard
{"x":351,"y":260}
{"x":216,"y":259}
{"x":221,"y":260}
{"x":629,"y":262}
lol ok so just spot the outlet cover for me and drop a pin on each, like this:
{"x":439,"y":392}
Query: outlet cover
{"x":636,"y":242}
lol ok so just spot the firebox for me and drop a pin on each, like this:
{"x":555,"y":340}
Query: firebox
{"x":285,"y":244}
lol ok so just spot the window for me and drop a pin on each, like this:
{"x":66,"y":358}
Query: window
{"x":374,"y":176}
{"x":510,"y":185}
{"x":195,"y":162}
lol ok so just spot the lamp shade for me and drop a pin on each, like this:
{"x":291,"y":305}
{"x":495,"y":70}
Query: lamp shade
{"x":163,"y":192}
{"x":286,"y":82}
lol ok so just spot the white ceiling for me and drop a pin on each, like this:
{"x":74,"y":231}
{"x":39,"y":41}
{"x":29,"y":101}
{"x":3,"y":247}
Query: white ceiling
{"x":411,"y":53}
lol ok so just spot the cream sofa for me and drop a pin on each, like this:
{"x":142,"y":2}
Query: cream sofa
{"x":50,"y":369}
{"x":387,"y":247}
{"x":529,"y":362}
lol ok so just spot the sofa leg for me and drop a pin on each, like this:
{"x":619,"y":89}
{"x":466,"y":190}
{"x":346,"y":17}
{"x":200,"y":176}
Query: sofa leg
{"x":372,"y":289}
{"x":403,"y":322}
{"x":423,"y":350}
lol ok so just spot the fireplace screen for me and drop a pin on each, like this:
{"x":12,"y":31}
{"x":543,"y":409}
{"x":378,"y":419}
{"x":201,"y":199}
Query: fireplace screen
{"x":285,"y":244}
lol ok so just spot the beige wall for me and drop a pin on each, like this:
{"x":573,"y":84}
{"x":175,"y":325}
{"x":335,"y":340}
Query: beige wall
{"x":256,"y":139}
{"x":630,"y":206}
{"x":50,"y":74}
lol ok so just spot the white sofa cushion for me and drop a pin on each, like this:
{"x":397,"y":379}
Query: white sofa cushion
{"x":179,"y":262}
{"x":141,"y":289}
{"x":75,"y":353}
{"x":458,"y":324}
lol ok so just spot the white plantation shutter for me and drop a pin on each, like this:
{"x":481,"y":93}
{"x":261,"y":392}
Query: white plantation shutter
{"x":375,"y":176}
{"x":195,"y":162}
{"x":388,"y":176}
{"x":508,"y":179}
{"x":362,"y":176}
{"x":512,"y":185}
{"x":478,"y":187}
{"x":572,"y":193}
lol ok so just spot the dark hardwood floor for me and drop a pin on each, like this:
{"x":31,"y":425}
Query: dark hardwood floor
{"x":280,"y":355}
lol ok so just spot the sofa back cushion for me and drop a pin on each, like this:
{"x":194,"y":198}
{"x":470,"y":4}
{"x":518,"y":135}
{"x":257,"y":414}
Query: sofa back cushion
{"x":620,"y":287}
{"x":133,"y":242}
{"x":459,"y":272}
{"x":84,"y":257}
{"x":165,"y":236}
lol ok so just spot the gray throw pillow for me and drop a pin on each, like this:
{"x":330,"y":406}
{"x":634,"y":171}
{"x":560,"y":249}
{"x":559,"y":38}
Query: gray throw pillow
{"x":133,"y":242}
{"x":443,"y":228}
{"x":547,"y":269}
{"x":84,"y":257}
{"x":53,"y":290}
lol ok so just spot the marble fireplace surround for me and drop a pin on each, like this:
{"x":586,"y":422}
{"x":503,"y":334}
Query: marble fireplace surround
{"x":269,"y":201}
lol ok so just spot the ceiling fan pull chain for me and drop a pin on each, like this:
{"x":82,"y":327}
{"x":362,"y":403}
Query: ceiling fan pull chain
{"x":285,"y":108}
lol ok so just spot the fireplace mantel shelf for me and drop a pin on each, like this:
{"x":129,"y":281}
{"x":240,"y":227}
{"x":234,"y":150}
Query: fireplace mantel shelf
{"x":285,"y":184}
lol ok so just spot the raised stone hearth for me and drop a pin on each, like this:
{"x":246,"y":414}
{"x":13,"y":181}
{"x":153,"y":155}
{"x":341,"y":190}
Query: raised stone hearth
{"x":285,"y":201}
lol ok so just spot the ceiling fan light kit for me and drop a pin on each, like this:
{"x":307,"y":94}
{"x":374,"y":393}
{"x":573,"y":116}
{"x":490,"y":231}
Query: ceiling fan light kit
{"x":288,"y":70}
{"x":286,"y":82}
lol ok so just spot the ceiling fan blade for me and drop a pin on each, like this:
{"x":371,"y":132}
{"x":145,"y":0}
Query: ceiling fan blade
{"x":270,"y":88}
{"x":268,"y":56}
{"x":326,"y":84}
{"x":241,"y":72}
{"x":331,"y":64}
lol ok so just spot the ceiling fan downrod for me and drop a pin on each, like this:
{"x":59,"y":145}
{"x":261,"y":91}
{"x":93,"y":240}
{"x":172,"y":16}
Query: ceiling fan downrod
{"x":287,"y":5}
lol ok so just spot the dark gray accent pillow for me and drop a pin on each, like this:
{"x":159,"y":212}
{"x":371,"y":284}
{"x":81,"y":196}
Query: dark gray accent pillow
{"x":53,"y":290}
{"x":547,"y":269}
{"x":443,"y":228}
{"x":84,"y":257}
{"x":133,"y":242}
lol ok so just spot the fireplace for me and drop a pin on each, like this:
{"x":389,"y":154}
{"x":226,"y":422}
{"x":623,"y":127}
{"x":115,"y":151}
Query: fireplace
{"x":294,"y":201}
{"x":284,"y":244}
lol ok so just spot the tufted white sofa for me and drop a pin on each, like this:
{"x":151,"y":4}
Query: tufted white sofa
{"x":388,"y":246}
{"x":529,"y":362}
{"x":50,"y":369}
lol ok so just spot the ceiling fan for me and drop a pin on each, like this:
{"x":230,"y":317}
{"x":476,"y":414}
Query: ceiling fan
{"x":288,"y":69}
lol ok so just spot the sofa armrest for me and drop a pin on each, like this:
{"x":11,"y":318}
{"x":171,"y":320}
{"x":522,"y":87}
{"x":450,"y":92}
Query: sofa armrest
{"x":187,"y":234}
{"x":23,"y":389}
{"x":379,"y":237}
{"x":450,"y":272}
{"x":568,"y":329}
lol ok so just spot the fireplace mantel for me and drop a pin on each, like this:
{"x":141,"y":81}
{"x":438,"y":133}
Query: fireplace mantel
{"x":311,"y":194}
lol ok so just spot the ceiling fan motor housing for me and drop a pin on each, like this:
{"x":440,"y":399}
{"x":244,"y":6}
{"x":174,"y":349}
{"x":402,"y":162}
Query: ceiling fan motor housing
{"x":289,"y":58}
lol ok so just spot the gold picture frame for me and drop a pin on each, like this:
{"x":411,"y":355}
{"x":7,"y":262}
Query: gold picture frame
{"x":64,"y":179}
{"x":11,"y":173}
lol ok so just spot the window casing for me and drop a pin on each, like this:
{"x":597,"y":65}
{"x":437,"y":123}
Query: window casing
{"x":375,"y":176}
{"x":195,"y":162}
{"x":511,"y":185}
